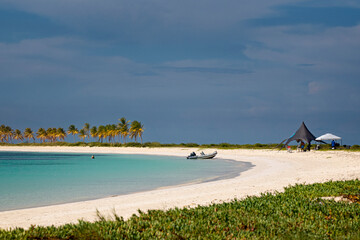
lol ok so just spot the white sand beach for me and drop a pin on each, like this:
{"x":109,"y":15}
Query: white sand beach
{"x":273,"y":170}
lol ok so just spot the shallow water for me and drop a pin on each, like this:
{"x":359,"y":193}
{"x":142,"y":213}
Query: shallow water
{"x":29,"y":179}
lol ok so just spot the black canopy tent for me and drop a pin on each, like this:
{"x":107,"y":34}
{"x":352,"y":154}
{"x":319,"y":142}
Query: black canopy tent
{"x":302,"y":134}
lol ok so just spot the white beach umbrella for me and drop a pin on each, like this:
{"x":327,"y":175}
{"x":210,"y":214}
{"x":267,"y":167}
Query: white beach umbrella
{"x":328,"y":136}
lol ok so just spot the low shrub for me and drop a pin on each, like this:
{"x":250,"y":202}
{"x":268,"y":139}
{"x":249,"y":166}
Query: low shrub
{"x":152,"y":144}
{"x":323,"y":147}
{"x":355,"y":147}
{"x":189,"y":145}
{"x":133,"y":144}
{"x":297,"y":213}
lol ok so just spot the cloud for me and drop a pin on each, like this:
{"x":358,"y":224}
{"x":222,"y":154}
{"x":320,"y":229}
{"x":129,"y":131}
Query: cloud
{"x":332,"y":49}
{"x":169,"y":64}
{"x":314,"y":87}
{"x":208,"y":70}
{"x":335,"y":16}
{"x":331,"y":66}
{"x":331,"y":3}
{"x":306,"y":65}
{"x":18,"y":25}
{"x":156,"y":21}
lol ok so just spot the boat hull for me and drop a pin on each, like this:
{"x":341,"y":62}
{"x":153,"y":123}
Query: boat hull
{"x":206,"y":156}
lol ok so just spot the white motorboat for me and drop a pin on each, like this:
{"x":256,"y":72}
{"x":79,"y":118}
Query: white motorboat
{"x":202,"y":155}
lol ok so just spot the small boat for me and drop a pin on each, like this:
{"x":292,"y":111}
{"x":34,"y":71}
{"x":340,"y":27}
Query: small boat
{"x":202,"y":155}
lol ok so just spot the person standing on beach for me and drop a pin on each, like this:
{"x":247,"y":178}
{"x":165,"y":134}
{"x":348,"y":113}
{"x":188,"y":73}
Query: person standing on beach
{"x":302,"y":145}
{"x":333,"y":144}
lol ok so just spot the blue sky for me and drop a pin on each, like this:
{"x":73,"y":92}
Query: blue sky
{"x":191,"y":71}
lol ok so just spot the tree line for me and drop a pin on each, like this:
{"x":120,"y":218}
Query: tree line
{"x":110,"y":132}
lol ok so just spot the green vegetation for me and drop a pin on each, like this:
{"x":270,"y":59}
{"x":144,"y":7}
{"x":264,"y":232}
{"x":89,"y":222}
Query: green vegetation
{"x":136,"y":129}
{"x":324,"y":147}
{"x":102,"y":133}
{"x":297,"y":213}
{"x":113,"y":134}
{"x":328,"y":147}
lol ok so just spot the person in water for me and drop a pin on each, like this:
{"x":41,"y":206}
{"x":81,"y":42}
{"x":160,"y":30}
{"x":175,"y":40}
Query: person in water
{"x":92,"y":157}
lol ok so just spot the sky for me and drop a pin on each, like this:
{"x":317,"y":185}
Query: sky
{"x":191,"y":71}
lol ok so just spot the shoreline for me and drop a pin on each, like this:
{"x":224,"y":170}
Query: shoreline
{"x":238,"y":168}
{"x":272,"y":171}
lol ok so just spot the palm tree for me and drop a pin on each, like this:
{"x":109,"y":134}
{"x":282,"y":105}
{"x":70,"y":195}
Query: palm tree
{"x":17,"y":135}
{"x":118,"y":132}
{"x":93,"y":132}
{"x":8,"y":134}
{"x":2,"y":133}
{"x":140,"y":131}
{"x":73,"y":130}
{"x":82,"y":134}
{"x":101,"y":133}
{"x":29,"y":134}
{"x":111,"y":132}
{"x":87,"y":129}
{"x":51,"y":134}
{"x":41,"y":134}
{"x":136,"y":130}
{"x":114,"y":132}
{"x":61,"y":134}
{"x":107,"y":132}
{"x":124,"y":128}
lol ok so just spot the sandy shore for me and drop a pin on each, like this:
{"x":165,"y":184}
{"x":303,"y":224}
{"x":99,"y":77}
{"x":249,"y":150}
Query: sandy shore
{"x":272,"y":171}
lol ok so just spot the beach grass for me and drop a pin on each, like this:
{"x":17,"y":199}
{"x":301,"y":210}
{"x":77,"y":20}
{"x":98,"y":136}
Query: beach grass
{"x":299,"y":212}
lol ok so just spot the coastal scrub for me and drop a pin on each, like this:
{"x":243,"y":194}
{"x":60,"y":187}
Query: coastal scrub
{"x":300,"y":212}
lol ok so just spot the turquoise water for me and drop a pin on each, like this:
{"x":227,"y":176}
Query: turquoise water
{"x":29,"y":179}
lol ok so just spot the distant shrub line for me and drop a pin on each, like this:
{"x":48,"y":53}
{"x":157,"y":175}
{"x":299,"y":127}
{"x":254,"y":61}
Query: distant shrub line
{"x":159,"y":145}
{"x":297,"y":213}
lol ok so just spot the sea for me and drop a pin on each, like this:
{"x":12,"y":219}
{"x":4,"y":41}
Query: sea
{"x":33,"y":179}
